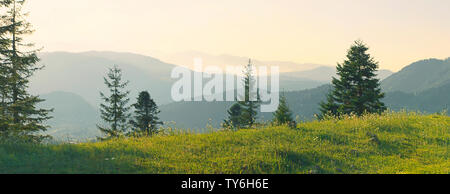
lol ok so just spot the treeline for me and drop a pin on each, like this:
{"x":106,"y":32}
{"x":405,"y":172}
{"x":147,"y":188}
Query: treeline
{"x":243,"y":114}
{"x":356,"y":91}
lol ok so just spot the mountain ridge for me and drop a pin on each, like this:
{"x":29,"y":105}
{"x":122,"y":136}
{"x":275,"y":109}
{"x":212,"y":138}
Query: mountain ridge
{"x":419,"y":76}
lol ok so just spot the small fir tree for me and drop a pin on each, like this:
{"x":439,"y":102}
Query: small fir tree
{"x":234,"y":117}
{"x":145,"y":115}
{"x":114,"y":110}
{"x":283,"y":115}
{"x":248,"y":104}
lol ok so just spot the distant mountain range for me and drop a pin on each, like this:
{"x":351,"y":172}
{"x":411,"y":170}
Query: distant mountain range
{"x":82,"y":74}
{"x":419,"y":76}
{"x":186,"y":59}
{"x":294,"y":76}
{"x":71,"y":83}
{"x":324,"y":74}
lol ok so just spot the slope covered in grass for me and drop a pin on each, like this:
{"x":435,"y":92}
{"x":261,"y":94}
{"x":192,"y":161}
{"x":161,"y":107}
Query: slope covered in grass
{"x":391,"y":143}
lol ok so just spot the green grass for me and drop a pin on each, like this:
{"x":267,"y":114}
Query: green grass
{"x":391,"y":143}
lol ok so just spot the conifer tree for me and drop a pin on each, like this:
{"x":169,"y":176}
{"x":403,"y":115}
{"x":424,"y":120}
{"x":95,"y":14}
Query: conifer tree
{"x":251,"y":100}
{"x":357,"y":91}
{"x":20,"y":115}
{"x":145,"y":115}
{"x":283,"y":115}
{"x":114,"y":110}
{"x":4,"y":72}
{"x":234,"y":117}
{"x":329,"y":107}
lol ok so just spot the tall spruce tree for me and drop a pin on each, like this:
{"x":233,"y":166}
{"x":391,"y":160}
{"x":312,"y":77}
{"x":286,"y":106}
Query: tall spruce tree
{"x":283,"y":115}
{"x":234,"y":117}
{"x":20,"y":115}
{"x":145,"y":115}
{"x":251,"y":100}
{"x":357,"y":91}
{"x":4,"y":71}
{"x":115,"y":111}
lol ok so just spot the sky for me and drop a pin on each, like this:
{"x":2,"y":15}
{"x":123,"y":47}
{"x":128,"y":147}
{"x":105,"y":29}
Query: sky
{"x":398,"y":32}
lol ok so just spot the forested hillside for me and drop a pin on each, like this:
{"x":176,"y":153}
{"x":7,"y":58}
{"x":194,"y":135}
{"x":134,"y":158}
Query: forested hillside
{"x":419,"y":76}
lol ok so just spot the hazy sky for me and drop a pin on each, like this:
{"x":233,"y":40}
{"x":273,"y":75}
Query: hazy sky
{"x":317,"y":31}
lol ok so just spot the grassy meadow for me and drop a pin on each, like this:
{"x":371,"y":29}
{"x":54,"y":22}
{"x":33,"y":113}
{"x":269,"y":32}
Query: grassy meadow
{"x":390,"y":143}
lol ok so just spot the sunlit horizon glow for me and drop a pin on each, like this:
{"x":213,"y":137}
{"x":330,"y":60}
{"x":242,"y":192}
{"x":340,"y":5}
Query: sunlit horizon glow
{"x":398,"y":32}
